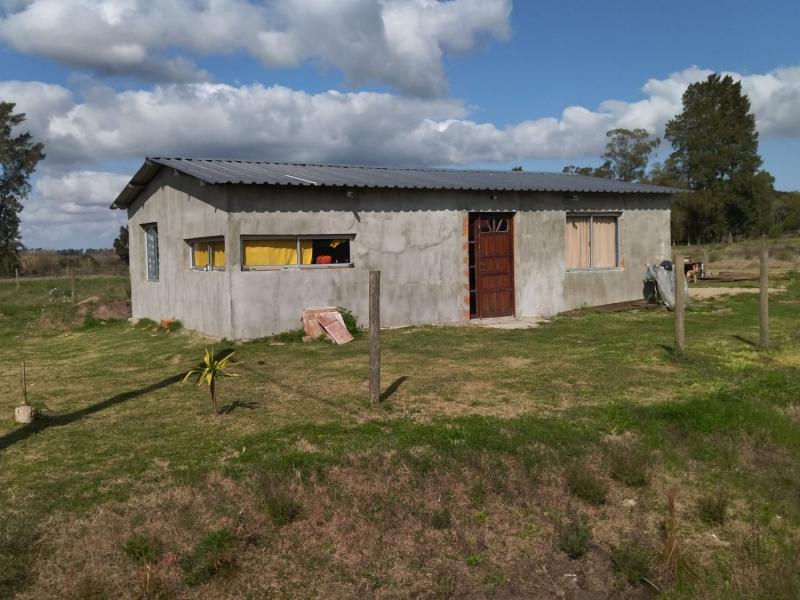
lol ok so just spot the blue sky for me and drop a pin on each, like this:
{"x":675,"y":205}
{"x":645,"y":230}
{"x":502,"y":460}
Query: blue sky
{"x":480,"y":83}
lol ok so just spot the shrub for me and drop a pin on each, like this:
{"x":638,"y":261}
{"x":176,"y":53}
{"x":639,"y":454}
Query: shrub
{"x":278,"y":504}
{"x":350,"y":321}
{"x":631,"y":560}
{"x":712,"y":509}
{"x":210,"y":556}
{"x":142,"y":548}
{"x":629,"y":464}
{"x":440,"y":519}
{"x":574,"y":535}
{"x":584,"y":484}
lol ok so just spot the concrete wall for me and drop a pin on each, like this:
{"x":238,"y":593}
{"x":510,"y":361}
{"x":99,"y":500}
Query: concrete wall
{"x":416,"y":238}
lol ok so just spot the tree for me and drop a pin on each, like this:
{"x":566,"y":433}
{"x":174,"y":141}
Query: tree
{"x":517,"y":169}
{"x":627,"y":153}
{"x":121,"y":245}
{"x":587,"y":171}
{"x":18,"y":158}
{"x":715,"y":150}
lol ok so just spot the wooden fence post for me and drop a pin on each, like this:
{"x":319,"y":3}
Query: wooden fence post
{"x":374,"y":336}
{"x":763,"y":312}
{"x":24,"y":382}
{"x":16,"y":276}
{"x":677,"y":269}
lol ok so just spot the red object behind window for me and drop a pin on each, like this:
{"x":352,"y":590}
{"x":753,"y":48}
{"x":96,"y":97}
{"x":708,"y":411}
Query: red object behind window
{"x":324,"y":260}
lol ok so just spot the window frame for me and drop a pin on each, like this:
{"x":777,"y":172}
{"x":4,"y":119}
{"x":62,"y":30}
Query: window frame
{"x":350,"y":237}
{"x":617,"y":216}
{"x":209,"y":241}
{"x":151,"y":229}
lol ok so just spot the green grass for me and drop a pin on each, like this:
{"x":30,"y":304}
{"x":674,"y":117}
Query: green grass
{"x":471,"y":405}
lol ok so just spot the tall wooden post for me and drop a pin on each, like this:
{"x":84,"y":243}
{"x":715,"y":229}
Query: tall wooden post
{"x":374,"y":336}
{"x":16,"y":276}
{"x":24,"y":383}
{"x":677,"y":268}
{"x":763,"y":312}
{"x":72,"y":285}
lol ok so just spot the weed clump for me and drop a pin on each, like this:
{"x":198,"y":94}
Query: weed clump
{"x":350,"y":321}
{"x":440,"y":519}
{"x":142,"y":548}
{"x":584,"y":484}
{"x":574,"y":535}
{"x":278,"y":503}
{"x":712,"y":509}
{"x":629,"y":464}
{"x":631,"y":559}
{"x":211,"y":555}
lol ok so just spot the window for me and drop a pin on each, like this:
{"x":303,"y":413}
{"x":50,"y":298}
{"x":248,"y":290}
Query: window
{"x":288,"y":252}
{"x":592,"y":242}
{"x":151,"y":250}
{"x":208,"y":255}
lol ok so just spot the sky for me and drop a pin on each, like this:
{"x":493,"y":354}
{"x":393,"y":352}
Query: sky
{"x":456,"y":83}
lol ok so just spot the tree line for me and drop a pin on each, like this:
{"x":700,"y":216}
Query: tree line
{"x":715,"y":158}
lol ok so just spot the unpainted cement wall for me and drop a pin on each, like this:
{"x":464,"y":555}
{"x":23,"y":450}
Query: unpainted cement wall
{"x":416,"y":238}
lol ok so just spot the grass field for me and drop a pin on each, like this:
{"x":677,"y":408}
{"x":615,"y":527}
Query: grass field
{"x":578,"y":459}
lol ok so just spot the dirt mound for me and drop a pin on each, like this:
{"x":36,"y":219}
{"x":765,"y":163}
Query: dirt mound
{"x":104,"y":311}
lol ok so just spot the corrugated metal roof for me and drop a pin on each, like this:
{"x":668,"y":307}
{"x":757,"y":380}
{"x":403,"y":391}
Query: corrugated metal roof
{"x":214,"y":171}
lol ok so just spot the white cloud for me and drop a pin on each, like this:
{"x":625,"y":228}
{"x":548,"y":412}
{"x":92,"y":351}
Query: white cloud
{"x":280,"y":124}
{"x":71,"y":210}
{"x":277,"y":123}
{"x":399,"y":42}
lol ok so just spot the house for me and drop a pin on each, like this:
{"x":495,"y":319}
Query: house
{"x":238,"y":249}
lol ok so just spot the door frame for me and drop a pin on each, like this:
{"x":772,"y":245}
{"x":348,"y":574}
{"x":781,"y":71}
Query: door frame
{"x":473,"y":218}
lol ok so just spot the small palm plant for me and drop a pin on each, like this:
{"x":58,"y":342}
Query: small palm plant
{"x":211,"y":369}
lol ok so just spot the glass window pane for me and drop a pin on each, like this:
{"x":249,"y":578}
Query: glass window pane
{"x":577,"y":251}
{"x":151,"y":235}
{"x":200,"y":254}
{"x":604,"y":242}
{"x":270,"y":253}
{"x":327,"y":251}
{"x":218,"y":257}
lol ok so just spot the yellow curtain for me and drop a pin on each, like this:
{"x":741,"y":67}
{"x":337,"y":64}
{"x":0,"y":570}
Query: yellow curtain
{"x":200,"y":250}
{"x":577,"y":255}
{"x":604,"y":242}
{"x":218,"y":256}
{"x":270,"y":253}
{"x":306,"y":251}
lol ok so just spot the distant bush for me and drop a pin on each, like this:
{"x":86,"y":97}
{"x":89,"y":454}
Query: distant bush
{"x":276,"y":501}
{"x":211,"y":555}
{"x":584,"y":484}
{"x":712,"y":509}
{"x":350,"y":321}
{"x":629,"y":464}
{"x":574,"y":535}
{"x":631,"y":559}
{"x":142,"y":548}
{"x":440,"y":519}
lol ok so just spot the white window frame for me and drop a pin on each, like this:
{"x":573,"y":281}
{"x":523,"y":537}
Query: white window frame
{"x":210,"y":249}
{"x":298,"y":238}
{"x":148,"y":274}
{"x":617,"y":241}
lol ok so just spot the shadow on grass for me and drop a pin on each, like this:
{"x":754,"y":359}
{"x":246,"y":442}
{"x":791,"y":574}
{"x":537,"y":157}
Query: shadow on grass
{"x":229,"y":408}
{"x":744,"y":340}
{"x":44,"y":422}
{"x":389,"y":391}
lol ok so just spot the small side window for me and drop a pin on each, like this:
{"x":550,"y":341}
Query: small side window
{"x":151,"y":250}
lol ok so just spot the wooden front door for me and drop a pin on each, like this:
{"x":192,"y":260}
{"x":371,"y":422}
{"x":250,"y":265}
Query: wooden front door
{"x":491,"y":265}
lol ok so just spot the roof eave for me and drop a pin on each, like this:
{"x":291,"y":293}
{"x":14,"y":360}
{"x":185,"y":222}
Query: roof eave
{"x":137,"y":185}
